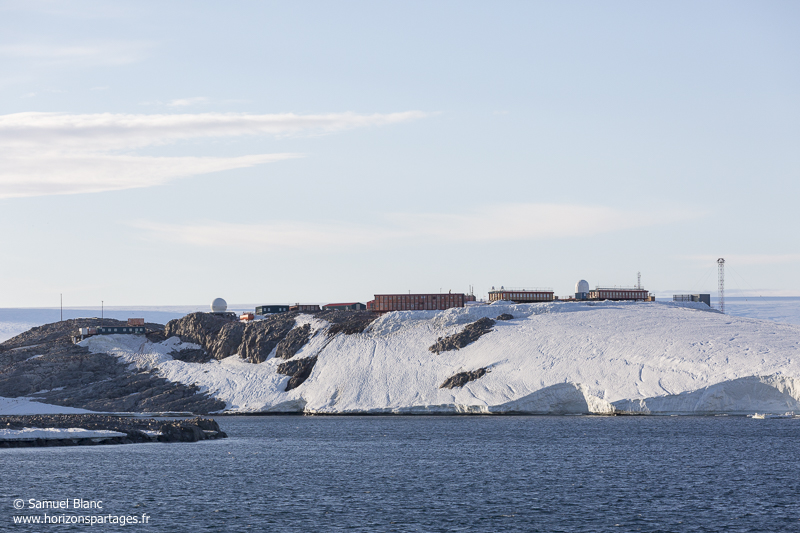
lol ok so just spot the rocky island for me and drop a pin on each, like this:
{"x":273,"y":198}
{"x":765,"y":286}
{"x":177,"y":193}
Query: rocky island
{"x":504,"y":358}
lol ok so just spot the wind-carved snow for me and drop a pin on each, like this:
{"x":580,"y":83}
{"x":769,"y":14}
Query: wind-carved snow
{"x":551,"y":358}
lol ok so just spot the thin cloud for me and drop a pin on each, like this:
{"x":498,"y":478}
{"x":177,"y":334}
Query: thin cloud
{"x":505,"y":222}
{"x":77,"y":174}
{"x":55,"y":153}
{"x":106,"y":131}
{"x":186,"y":102}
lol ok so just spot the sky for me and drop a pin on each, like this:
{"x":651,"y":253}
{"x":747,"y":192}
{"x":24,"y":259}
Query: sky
{"x":167,"y":153}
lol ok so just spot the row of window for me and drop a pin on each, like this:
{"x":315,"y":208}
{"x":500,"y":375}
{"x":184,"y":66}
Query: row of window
{"x":621,"y":294}
{"x":521,"y":295}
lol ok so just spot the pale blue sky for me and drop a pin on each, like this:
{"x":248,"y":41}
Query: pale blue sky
{"x":165,"y":153}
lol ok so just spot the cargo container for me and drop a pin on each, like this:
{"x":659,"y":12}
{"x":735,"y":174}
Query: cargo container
{"x":136,"y":321}
{"x":385,"y":303}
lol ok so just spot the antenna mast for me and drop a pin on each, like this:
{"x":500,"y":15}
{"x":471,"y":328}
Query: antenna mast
{"x":638,"y":280}
{"x":721,"y":286}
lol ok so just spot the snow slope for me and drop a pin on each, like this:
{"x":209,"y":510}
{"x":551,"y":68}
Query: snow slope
{"x":558,"y":357}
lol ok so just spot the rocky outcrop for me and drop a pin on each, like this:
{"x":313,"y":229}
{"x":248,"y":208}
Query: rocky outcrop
{"x":347,"y":322}
{"x":219,"y":335}
{"x":191,"y":355}
{"x":43,"y":364}
{"x":60,"y":333}
{"x":291,"y":344}
{"x":462,"y":378}
{"x":222,"y":337}
{"x":188,"y":430}
{"x":505,"y":316}
{"x":299,"y":370}
{"x":468,"y":335}
{"x":138,"y":393}
{"x":261,"y":337}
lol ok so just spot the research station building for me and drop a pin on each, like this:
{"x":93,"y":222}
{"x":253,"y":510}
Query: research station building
{"x":521,"y":295}
{"x":705,"y":298}
{"x":619,"y":293}
{"x":354,"y":306}
{"x":271,"y":309}
{"x":417,"y":302}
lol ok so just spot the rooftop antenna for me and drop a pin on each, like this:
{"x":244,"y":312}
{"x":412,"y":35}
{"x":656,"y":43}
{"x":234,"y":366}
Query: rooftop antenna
{"x":639,"y":280}
{"x":721,"y":286}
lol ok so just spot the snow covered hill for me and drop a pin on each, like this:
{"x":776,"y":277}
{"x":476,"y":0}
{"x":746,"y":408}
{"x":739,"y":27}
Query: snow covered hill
{"x":550,"y":358}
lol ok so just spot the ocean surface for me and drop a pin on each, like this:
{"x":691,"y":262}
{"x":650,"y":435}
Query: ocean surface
{"x":395,"y":473}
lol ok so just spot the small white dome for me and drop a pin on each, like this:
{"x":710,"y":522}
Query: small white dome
{"x":219,"y":305}
{"x":582,"y":286}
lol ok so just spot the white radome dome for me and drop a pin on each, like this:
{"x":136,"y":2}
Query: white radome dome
{"x":582,"y":286}
{"x":219,"y":305}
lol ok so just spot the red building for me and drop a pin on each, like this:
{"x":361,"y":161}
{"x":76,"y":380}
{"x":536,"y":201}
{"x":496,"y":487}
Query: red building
{"x":417,"y":302}
{"x":521,"y":296}
{"x":619,"y":293}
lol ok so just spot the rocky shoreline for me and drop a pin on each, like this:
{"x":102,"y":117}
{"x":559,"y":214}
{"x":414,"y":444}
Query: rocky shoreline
{"x":135,"y":430}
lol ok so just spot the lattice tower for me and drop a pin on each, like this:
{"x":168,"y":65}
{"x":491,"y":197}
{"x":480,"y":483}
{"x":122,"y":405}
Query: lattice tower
{"x":721,"y":286}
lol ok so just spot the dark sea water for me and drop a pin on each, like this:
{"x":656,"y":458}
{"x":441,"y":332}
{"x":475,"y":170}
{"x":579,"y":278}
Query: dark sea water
{"x":431,"y":474}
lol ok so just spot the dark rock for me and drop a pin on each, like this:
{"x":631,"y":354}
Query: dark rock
{"x":505,"y":316}
{"x":347,"y":322}
{"x":468,"y":335}
{"x":61,"y":332}
{"x":462,"y":378}
{"x":261,"y":337}
{"x":191,"y":355}
{"x":299,"y":370}
{"x":217,"y":334}
{"x":42,"y":363}
{"x":291,"y":344}
{"x":185,"y":430}
{"x":221,"y":337}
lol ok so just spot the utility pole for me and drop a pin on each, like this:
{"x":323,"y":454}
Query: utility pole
{"x":61,"y":297}
{"x":101,"y":313}
{"x":721,"y":285}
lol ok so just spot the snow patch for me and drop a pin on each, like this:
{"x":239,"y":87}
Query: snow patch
{"x":24,"y":406}
{"x":56,"y":433}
